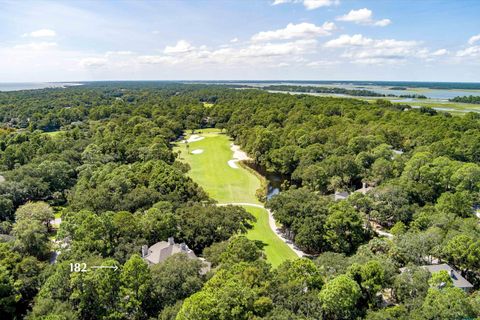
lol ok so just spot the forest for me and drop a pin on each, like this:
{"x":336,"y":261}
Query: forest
{"x":100,"y":156}
{"x":467,"y":99}
{"x":336,"y":90}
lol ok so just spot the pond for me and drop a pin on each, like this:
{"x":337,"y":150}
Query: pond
{"x":274,"y":180}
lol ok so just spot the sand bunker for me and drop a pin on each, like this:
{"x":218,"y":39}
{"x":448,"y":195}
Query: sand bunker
{"x":233,"y":164}
{"x":194,"y":138}
{"x":238,"y":155}
{"x":197,"y":151}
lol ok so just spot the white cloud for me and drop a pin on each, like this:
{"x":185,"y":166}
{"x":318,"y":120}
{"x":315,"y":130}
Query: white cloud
{"x":157,"y":60}
{"x":474,"y":39}
{"x":473,"y":51}
{"x":182,"y":46}
{"x":363,"y":16}
{"x":346,"y":40}
{"x":36,"y":46}
{"x":382,"y":23}
{"x":358,"y":16}
{"x":277,"y":2}
{"x":234,"y":40}
{"x":119,"y":53}
{"x":440,"y":52}
{"x":322,"y":63}
{"x":93,"y":62}
{"x":263,"y":53}
{"x":277,"y":49}
{"x":41,"y":33}
{"x":315,"y":4}
{"x":309,"y":4}
{"x":291,"y":31}
{"x":360,"y":49}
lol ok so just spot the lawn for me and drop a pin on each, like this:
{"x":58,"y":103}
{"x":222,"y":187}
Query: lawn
{"x":54,"y":134}
{"x":225,"y":184}
{"x":276,"y":250}
{"x":210,"y":169}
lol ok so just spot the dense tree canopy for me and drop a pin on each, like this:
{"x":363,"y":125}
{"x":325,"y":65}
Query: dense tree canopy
{"x":100,"y":157}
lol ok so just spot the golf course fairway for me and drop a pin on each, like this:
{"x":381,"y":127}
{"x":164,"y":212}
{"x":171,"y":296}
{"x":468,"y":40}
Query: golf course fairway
{"x":208,"y":158}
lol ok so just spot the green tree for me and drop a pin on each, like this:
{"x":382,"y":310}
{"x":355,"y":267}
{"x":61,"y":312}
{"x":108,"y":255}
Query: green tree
{"x":6,"y":208}
{"x":234,"y":293}
{"x":8,"y":294}
{"x":459,"y":203}
{"x":295,"y":286}
{"x":390,"y":313}
{"x":339,"y":297}
{"x":31,"y":238}
{"x":440,"y":280}
{"x":371,"y":277}
{"x":36,"y":211}
{"x":201,"y":225}
{"x":411,"y":286}
{"x":457,"y":250}
{"x":241,"y":249}
{"x":135,"y":288}
{"x":158,"y":224}
{"x":175,"y":279}
{"x":344,"y":228}
{"x":447,"y":303}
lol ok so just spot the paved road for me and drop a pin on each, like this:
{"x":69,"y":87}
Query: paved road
{"x":271,"y":222}
{"x":378,"y":229}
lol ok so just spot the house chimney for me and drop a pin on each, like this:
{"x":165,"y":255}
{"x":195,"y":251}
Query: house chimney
{"x":171,"y":241}
{"x":144,"y":251}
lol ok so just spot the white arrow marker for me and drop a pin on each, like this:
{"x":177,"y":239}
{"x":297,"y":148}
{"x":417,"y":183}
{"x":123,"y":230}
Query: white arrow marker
{"x":115,"y":268}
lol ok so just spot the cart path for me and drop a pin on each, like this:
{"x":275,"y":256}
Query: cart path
{"x":271,"y":222}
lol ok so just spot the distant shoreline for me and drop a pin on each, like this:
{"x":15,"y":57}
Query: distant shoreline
{"x":20,"y":86}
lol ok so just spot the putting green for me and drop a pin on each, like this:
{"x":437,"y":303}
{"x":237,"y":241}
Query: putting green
{"x":210,"y":169}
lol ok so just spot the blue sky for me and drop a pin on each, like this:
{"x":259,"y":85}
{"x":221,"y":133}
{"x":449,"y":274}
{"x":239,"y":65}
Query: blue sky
{"x":245,"y":39}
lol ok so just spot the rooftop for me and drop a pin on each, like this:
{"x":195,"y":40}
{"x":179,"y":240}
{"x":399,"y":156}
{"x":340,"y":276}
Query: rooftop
{"x":458,"y":280}
{"x":162,"y":250}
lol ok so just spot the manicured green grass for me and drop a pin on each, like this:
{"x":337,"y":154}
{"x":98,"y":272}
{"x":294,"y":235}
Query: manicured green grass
{"x":211,"y":171}
{"x":54,"y":134}
{"x":275,"y":249}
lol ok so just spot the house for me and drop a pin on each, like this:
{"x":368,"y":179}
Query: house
{"x":364,"y":189}
{"x":476,"y":209}
{"x":458,"y":280}
{"x":341,"y":195}
{"x":162,"y":250}
{"x":344,"y":194}
{"x":397,"y":152}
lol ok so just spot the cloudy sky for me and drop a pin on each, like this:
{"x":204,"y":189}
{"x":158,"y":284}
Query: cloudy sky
{"x":244,"y":39}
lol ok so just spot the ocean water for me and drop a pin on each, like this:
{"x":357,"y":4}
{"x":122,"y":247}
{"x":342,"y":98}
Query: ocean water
{"x":441,"y":91}
{"x":16,"y":86}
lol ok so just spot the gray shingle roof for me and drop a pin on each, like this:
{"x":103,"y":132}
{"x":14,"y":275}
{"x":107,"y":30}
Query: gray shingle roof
{"x":458,"y":280}
{"x":160,"y":251}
